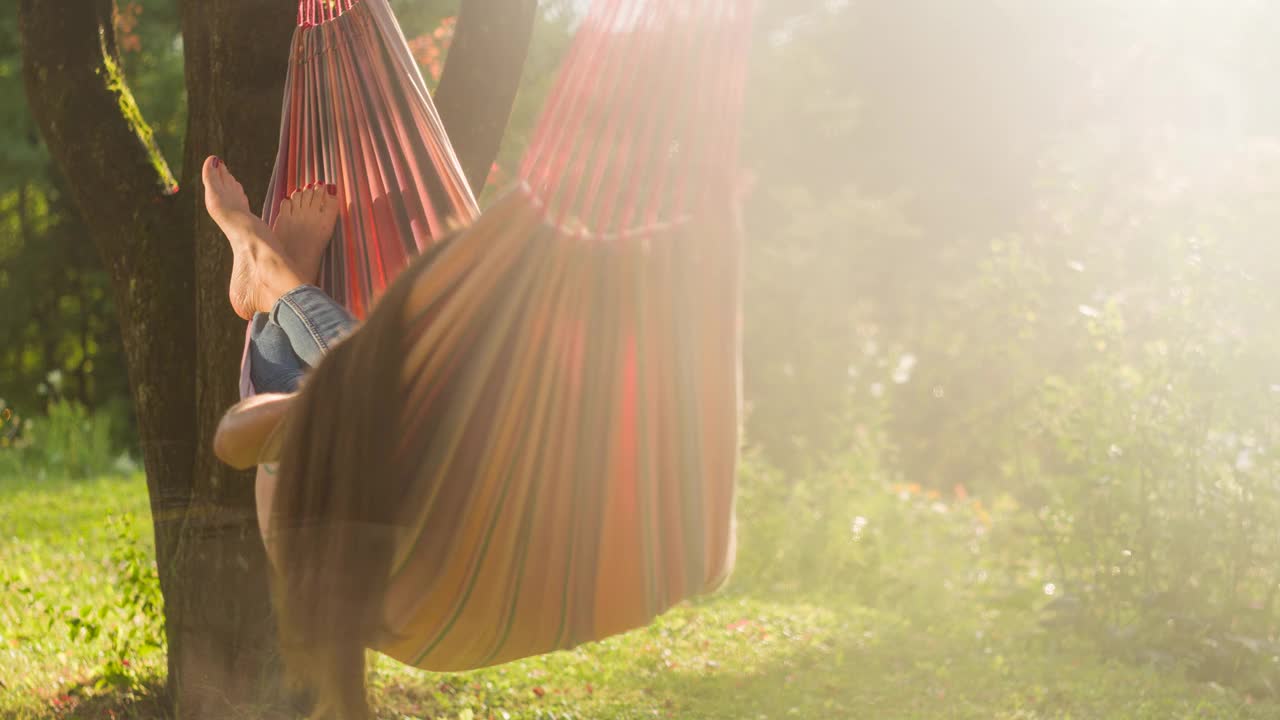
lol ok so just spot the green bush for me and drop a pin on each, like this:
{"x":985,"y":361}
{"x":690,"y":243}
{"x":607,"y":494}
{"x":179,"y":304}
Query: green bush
{"x":852,"y":531}
{"x":133,"y":623}
{"x":1157,"y":491}
{"x":1131,"y":415}
{"x":72,"y":440}
{"x":68,"y":441}
{"x":1133,"y":444}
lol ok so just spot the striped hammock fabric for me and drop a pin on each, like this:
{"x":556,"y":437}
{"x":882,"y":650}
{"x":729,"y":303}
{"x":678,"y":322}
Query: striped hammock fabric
{"x":357,"y":114}
{"x":565,"y":393}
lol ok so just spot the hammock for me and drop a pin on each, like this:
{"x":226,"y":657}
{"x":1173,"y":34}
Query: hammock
{"x":563,"y":375}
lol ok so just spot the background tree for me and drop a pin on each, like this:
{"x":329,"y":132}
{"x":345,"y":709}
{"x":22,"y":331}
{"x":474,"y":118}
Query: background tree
{"x":167,"y":269}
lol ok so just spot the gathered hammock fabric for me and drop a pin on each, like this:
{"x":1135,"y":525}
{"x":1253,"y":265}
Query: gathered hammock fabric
{"x":550,"y":459}
{"x":357,"y":114}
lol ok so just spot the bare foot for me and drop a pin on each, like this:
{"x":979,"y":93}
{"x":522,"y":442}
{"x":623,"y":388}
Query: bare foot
{"x":304,"y":226}
{"x":261,"y":271}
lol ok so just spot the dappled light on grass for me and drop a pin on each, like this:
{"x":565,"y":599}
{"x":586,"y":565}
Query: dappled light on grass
{"x":61,"y":613}
{"x":724,"y":643}
{"x":735,"y":658}
{"x":929,"y":640}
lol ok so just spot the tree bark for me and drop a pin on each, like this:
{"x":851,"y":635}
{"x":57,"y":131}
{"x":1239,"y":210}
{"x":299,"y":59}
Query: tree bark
{"x":480,"y":79}
{"x":211,"y":565}
{"x":236,"y":54}
{"x":123,"y":187}
{"x":169,"y":265}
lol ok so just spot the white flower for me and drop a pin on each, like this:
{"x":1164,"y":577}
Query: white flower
{"x":906,"y":364}
{"x":857,"y":526}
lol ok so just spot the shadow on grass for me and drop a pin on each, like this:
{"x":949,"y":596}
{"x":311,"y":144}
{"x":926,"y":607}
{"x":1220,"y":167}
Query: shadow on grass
{"x":830,"y":677}
{"x":917,"y":673}
{"x":83,"y":702}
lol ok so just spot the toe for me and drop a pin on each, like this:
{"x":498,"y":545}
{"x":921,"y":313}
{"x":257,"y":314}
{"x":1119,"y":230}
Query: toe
{"x":209,"y":172}
{"x":221,"y":174}
{"x":286,"y":209}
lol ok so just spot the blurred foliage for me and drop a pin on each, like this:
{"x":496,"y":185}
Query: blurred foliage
{"x":66,"y":441}
{"x":58,"y":312}
{"x":1029,"y":250}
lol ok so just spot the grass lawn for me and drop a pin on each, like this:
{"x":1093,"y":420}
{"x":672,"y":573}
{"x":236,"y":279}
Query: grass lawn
{"x":740,"y":655}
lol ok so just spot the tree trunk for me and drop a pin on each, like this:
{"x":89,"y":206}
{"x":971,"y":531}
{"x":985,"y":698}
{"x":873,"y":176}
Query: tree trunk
{"x":480,"y":79}
{"x":169,"y":266}
{"x":83,"y":316}
{"x":236,"y":53}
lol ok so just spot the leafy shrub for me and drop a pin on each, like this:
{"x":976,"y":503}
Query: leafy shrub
{"x":1127,"y":422}
{"x":1158,"y":494}
{"x":852,"y":531}
{"x":1131,"y":413}
{"x":72,"y":440}
{"x":68,"y":441}
{"x":134,"y":624}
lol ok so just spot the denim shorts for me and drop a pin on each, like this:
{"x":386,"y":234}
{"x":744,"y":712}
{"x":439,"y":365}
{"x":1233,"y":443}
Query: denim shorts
{"x":291,"y":339}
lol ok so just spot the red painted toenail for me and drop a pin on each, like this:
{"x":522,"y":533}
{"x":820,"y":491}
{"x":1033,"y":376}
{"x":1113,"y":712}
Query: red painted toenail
{"x":216,"y":161}
{"x":333,"y":190}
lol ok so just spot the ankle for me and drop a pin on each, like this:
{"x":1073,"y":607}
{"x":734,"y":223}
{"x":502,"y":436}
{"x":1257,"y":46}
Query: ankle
{"x":277,"y":280}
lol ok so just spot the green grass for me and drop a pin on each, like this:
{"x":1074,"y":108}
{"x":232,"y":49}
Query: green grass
{"x":741,"y":655}
{"x":56,"y":541}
